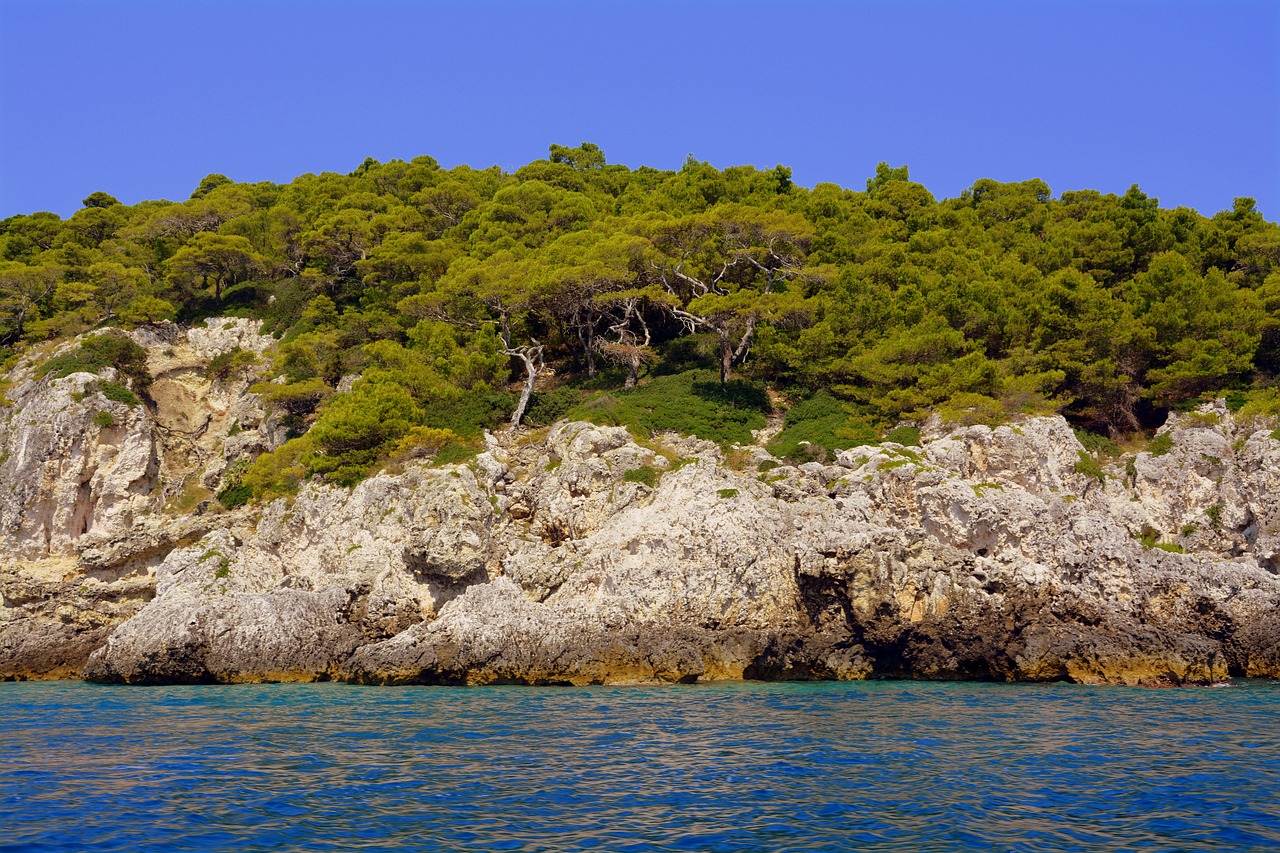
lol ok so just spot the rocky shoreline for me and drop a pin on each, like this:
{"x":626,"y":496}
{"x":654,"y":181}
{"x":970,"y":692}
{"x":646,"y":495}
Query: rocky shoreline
{"x":576,"y":555}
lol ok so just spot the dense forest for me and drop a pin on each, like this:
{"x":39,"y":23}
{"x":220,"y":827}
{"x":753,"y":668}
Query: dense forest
{"x":698,"y":299}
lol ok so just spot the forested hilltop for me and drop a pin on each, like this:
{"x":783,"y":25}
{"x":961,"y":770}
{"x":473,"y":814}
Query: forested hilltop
{"x":697,"y":300}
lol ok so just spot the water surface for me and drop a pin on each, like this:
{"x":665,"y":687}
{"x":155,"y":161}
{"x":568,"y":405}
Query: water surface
{"x":734,"y":767}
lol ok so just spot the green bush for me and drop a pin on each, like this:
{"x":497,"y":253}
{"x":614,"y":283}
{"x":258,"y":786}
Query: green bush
{"x":118,"y":393}
{"x":1160,"y":445}
{"x":235,"y":496}
{"x":468,"y":413}
{"x":547,"y":407}
{"x":108,"y":349}
{"x":280,"y":472}
{"x":455,"y":453}
{"x":904,"y":435}
{"x":644,"y":474}
{"x":1089,"y":467}
{"x":1263,"y":401}
{"x":356,"y":429}
{"x":1096,"y":443}
{"x":104,"y":419}
{"x":824,"y":422}
{"x":230,"y":363}
{"x":694,"y":403}
{"x":727,"y":493}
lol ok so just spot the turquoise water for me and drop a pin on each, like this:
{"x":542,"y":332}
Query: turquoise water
{"x":752,"y":767}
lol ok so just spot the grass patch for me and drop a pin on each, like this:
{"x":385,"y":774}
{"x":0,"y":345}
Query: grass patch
{"x":109,"y":349}
{"x":727,"y":493}
{"x":1090,"y":467}
{"x":454,"y":453}
{"x":1096,"y":443}
{"x":118,"y":393}
{"x":191,"y":496}
{"x":1160,"y":445}
{"x":235,"y":496}
{"x":645,"y":474}
{"x":905,"y":435}
{"x":1201,"y":419}
{"x":693,"y":403}
{"x":824,"y":422}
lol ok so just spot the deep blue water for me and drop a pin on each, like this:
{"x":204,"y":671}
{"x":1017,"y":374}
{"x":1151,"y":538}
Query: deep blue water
{"x":755,"y":767}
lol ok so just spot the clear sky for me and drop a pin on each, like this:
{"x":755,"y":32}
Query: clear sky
{"x":142,"y":99}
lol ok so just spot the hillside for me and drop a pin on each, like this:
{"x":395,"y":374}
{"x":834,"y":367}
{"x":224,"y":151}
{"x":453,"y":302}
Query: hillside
{"x":581,"y":423}
{"x":435,"y":299}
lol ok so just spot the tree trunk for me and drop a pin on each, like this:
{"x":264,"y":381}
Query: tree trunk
{"x":633,"y":370}
{"x":532,"y":358}
{"x":726,"y":358}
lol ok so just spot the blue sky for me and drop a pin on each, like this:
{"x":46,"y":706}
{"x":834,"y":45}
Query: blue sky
{"x":142,"y":99}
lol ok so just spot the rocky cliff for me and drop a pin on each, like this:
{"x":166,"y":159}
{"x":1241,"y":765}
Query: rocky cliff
{"x":577,"y":555}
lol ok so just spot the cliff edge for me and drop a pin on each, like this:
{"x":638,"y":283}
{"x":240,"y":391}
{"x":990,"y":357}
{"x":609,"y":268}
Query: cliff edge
{"x":577,"y":554}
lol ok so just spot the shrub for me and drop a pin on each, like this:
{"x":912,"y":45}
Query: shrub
{"x":823,"y":422}
{"x":970,"y":408}
{"x":108,"y":349}
{"x":694,"y":403}
{"x":727,"y":493}
{"x":1089,"y":467}
{"x":545,"y":408}
{"x":455,"y":453}
{"x":295,"y":397}
{"x":1160,"y":445}
{"x":905,"y":435}
{"x":235,"y":496}
{"x":104,"y":419}
{"x":468,"y":413}
{"x":1201,"y":419}
{"x":118,"y":393}
{"x":644,"y":474}
{"x":230,"y":363}
{"x":280,"y":472}
{"x":357,"y":429}
{"x":1096,"y":443}
{"x":1262,"y":403}
{"x":424,"y":441}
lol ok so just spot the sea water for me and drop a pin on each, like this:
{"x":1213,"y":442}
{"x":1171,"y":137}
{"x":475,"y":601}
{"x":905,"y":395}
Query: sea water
{"x":905,"y":766}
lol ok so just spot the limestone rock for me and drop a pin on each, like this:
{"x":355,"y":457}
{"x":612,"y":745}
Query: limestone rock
{"x":578,"y":555}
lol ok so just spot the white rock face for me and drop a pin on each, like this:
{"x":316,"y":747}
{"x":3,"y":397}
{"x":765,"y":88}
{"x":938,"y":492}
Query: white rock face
{"x":983,"y":554}
{"x":95,"y":492}
{"x":577,"y":555}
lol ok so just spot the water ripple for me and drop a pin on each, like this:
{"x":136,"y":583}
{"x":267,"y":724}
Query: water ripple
{"x":735,"y":767}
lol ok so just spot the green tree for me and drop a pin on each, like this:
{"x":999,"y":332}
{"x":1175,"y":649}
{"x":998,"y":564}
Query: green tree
{"x":214,"y":259}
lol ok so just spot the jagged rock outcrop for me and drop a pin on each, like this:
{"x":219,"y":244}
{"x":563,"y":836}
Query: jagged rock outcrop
{"x":95,"y":492}
{"x":576,"y":555}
